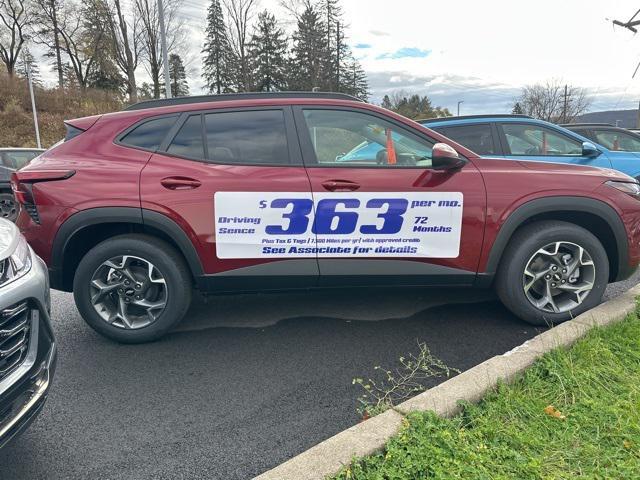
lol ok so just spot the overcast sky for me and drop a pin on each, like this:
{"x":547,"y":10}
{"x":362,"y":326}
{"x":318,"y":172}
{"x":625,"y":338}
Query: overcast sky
{"x":480,"y":52}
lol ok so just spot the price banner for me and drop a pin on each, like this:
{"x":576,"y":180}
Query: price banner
{"x":337,"y":224}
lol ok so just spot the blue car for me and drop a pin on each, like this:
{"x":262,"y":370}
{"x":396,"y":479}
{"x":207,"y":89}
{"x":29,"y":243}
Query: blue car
{"x":522,"y":137}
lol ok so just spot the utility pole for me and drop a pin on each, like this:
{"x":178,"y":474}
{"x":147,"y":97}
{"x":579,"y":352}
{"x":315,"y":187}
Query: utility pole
{"x":338,"y":43}
{"x":461,"y":101}
{"x":631,"y":24}
{"x":564,"y":107}
{"x":33,"y":100}
{"x":165,"y":55}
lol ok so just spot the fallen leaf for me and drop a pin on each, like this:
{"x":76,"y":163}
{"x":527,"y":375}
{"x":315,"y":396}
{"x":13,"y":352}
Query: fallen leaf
{"x":627,"y":444}
{"x":554,"y":412}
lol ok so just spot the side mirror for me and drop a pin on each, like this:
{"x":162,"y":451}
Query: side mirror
{"x":589,"y":150}
{"x":445,"y":157}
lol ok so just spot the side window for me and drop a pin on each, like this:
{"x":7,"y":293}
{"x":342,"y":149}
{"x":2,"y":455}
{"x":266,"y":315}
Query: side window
{"x":477,"y":138}
{"x":344,"y":138}
{"x":616,"y":140}
{"x":256,"y":137}
{"x":150,"y":134}
{"x":534,"y":140}
{"x":188,"y":141}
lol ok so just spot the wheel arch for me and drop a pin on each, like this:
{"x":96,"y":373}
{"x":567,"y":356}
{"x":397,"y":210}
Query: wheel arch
{"x":83,"y":230}
{"x":594,"y":215}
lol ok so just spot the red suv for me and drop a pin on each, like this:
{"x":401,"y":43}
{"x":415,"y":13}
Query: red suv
{"x":254,"y":192}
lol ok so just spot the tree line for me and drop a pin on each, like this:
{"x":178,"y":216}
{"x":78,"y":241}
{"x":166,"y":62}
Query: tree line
{"x":248,"y":51}
{"x":104,"y":44}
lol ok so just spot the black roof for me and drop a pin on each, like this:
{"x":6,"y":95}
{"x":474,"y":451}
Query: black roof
{"x":165,"y":102}
{"x":501,"y":115}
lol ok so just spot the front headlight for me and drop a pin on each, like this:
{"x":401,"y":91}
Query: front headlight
{"x":630,"y":188}
{"x":17,"y":264}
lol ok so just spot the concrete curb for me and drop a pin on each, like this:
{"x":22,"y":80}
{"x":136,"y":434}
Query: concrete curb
{"x":370,"y":436}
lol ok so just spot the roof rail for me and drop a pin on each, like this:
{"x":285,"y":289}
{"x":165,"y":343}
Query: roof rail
{"x":587,"y":124}
{"x":166,"y":102}
{"x":464,"y":117}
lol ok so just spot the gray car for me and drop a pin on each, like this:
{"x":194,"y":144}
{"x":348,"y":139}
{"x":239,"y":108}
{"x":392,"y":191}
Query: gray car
{"x":12,"y":159}
{"x":27,"y":346}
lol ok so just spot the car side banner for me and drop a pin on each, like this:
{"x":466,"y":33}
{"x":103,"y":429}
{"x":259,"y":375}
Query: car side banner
{"x":337,"y":224}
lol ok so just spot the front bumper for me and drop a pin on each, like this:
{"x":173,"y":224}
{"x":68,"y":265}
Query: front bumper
{"x":24,"y":389}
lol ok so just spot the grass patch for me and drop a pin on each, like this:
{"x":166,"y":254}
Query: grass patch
{"x":575,"y":413}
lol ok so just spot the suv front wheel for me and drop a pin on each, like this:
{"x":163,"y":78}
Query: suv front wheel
{"x":132,"y":288}
{"x":551,"y":272}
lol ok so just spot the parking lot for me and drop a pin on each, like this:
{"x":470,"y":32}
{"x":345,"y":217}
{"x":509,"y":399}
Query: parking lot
{"x":245,"y":383}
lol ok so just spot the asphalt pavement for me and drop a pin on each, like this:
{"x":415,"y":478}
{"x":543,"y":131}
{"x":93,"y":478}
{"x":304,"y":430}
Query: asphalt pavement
{"x":245,"y":383}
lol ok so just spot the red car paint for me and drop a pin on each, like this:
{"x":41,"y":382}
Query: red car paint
{"x":111,"y":175}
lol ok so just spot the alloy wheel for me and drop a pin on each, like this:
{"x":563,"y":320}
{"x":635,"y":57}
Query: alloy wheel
{"x":8,"y":209}
{"x":558,"y":277}
{"x":128,"y":292}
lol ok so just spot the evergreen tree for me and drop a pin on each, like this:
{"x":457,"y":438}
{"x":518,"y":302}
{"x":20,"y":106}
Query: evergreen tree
{"x":336,"y":50}
{"x":70,"y":78}
{"x":102,"y":71}
{"x":268,"y":53}
{"x":517,"y":109}
{"x":218,"y":56}
{"x":309,"y":51}
{"x":179,"y":85}
{"x":105,"y":75}
{"x":342,"y":72}
{"x":413,"y":106}
{"x":21,"y":67}
{"x":354,"y":81}
{"x":145,"y":91}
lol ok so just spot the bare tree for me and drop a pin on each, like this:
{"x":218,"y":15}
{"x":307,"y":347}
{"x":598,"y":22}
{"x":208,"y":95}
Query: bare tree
{"x":240,"y":14}
{"x":147,"y":10}
{"x":81,"y":44}
{"x":14,"y":17}
{"x":553,"y":101}
{"x":125,"y":37}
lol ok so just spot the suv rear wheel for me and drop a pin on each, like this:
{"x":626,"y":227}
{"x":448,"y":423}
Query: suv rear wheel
{"x":551,"y":272}
{"x":132,"y":288}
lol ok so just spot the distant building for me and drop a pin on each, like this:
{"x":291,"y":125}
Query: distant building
{"x":624,"y":118}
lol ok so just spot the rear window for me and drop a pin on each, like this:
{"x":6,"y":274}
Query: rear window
{"x":149,"y":134}
{"x":248,"y":137}
{"x":71,"y":132}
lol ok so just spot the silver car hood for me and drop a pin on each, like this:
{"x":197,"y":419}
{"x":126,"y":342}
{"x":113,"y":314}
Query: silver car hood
{"x":9,"y":236}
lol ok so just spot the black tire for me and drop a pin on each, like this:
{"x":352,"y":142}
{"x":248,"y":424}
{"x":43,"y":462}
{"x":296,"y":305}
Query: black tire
{"x":9,"y":208}
{"x":521,"y":248}
{"x":168,"y":262}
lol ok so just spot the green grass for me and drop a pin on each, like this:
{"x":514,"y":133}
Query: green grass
{"x":595,"y":385}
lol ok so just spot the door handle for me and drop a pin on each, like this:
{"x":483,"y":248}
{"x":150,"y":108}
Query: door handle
{"x":340,"y":186}
{"x":180,"y":183}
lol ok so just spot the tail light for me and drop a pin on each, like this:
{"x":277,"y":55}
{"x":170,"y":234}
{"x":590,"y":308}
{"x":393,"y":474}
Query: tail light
{"x":22,"y":186}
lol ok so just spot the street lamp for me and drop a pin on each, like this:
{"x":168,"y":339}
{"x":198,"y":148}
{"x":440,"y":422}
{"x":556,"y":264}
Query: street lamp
{"x":461,"y":101}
